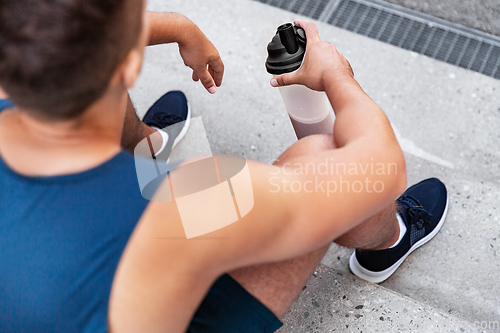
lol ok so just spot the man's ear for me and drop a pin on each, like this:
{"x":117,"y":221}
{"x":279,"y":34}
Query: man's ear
{"x":3,"y":94}
{"x":128,"y":71}
{"x":132,"y":68}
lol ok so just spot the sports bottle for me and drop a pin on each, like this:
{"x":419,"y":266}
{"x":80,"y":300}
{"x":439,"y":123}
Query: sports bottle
{"x":310,"y":111}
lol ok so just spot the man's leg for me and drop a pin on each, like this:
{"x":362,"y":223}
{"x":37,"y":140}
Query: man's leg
{"x":277,"y":285}
{"x":134,"y":130}
{"x":377,"y":233}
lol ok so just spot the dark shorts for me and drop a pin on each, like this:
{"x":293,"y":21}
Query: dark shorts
{"x":229,"y":308}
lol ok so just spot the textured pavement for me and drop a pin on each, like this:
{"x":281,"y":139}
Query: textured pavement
{"x":337,"y":302}
{"x":447,"y":120}
{"x":478,"y":14}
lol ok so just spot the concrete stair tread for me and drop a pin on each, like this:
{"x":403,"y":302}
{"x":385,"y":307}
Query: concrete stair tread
{"x":456,"y":271}
{"x":336,"y":301}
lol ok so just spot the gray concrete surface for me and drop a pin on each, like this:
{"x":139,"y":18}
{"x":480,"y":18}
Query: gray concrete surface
{"x":337,"y":302}
{"x":478,"y":14}
{"x":447,"y":119}
{"x":458,"y":271}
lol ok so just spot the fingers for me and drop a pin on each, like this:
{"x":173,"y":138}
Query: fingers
{"x":210,"y":77}
{"x":284,"y":79}
{"x":212,"y":74}
{"x":216,"y":68}
{"x":310,"y":28}
{"x":348,"y":65}
{"x":207,"y":80}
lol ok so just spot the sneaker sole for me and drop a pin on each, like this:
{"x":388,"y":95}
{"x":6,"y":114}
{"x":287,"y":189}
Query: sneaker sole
{"x":183,"y":132}
{"x":378,"y":277}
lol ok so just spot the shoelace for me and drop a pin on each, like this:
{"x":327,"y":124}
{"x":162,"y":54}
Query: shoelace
{"x":167,"y":119}
{"x":416,"y":211}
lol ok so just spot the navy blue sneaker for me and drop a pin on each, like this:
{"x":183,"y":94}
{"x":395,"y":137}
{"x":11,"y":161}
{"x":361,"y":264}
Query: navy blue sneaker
{"x":172,"y":115}
{"x":423,"y":209}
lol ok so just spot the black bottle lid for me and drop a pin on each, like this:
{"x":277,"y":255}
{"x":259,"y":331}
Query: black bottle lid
{"x":286,"y":49}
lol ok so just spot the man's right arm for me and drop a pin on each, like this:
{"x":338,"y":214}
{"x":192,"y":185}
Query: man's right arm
{"x":367,"y":171}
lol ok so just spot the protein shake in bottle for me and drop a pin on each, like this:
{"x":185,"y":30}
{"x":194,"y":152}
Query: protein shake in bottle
{"x":309,"y":110}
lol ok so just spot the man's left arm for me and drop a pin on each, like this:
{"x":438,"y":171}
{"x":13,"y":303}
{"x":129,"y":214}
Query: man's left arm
{"x":196,"y":50}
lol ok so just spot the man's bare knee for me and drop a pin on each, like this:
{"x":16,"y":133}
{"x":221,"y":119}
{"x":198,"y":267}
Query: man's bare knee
{"x":309,"y":145}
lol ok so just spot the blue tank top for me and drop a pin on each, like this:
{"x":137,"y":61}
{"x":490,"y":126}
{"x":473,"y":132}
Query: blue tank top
{"x":5,"y":103}
{"x":60,"y":242}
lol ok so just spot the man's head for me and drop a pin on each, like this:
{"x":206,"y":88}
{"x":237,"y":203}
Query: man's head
{"x":57,"y":57}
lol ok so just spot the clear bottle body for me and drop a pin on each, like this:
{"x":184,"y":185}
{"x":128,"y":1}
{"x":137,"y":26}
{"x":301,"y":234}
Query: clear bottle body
{"x":310,"y":111}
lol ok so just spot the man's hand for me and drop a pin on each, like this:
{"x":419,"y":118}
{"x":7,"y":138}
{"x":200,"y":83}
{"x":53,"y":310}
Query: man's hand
{"x":202,"y":57}
{"x":195,"y":48}
{"x":321,"y":61}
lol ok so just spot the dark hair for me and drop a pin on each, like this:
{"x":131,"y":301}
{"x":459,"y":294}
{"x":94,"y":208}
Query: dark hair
{"x":57,"y":56}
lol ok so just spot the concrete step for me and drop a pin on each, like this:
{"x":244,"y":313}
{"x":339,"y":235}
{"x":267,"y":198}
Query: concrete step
{"x":456,"y":272}
{"x":335,"y":301}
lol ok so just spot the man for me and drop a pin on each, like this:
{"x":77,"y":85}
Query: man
{"x":70,"y":202}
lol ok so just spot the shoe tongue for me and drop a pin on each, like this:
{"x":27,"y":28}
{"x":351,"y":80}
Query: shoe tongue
{"x":167,"y":119}
{"x":408,"y":201}
{"x":405,"y":202}
{"x":417,"y":213}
